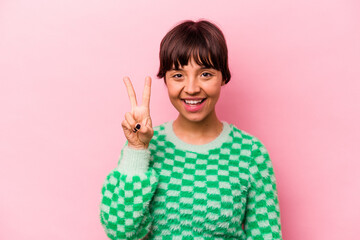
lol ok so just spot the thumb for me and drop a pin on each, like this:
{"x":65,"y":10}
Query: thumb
{"x":148,"y":122}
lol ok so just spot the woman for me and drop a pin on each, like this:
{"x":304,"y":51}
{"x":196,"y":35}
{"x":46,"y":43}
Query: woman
{"x":195,"y":177}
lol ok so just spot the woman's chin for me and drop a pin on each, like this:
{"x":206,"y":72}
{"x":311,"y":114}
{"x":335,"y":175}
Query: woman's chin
{"x":193,"y":117}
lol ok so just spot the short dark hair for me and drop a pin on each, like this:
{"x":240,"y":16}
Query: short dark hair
{"x":201,"y":40}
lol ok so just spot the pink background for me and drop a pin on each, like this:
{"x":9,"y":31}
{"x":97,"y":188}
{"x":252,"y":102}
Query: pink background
{"x":295,"y":85}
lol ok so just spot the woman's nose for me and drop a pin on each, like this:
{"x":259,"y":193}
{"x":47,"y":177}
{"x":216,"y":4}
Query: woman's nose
{"x":192,"y":86}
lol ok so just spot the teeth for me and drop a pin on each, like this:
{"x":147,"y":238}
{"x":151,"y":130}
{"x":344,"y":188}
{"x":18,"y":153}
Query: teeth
{"x":193,"y":101}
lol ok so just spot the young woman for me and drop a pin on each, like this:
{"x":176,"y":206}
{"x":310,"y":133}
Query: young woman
{"x":195,"y":177}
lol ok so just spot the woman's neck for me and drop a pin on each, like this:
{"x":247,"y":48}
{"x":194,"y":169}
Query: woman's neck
{"x":197,"y":133}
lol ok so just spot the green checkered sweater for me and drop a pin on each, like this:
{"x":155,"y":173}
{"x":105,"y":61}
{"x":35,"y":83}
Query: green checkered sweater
{"x":225,"y":189}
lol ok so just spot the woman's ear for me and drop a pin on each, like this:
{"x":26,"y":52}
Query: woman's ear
{"x":223,"y":82}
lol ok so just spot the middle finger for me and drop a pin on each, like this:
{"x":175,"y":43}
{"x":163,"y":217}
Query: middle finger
{"x":147,"y":92}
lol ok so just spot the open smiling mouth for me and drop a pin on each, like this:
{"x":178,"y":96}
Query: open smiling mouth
{"x":193,"y":102}
{"x":194,"y":105}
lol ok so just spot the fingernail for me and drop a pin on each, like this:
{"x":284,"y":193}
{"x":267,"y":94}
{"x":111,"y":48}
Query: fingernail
{"x":138,"y":126}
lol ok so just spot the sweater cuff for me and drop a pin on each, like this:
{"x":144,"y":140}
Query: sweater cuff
{"x":134,"y":161}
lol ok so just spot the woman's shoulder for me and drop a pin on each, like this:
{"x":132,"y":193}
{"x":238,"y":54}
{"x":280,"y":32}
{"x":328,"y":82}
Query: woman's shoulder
{"x":244,"y":136}
{"x":252,"y":146}
{"x":160,"y":129}
{"x":159,"y":133}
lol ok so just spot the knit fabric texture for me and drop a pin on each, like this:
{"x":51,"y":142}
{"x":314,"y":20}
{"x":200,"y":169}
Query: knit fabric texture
{"x":225,"y":189}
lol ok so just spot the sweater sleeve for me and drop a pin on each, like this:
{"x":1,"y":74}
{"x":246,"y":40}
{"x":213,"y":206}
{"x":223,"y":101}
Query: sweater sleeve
{"x":126,"y":196}
{"x":262,"y":217}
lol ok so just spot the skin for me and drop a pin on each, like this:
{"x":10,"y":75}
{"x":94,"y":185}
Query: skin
{"x":195,"y":81}
{"x":190,"y":81}
{"x":139,"y":114}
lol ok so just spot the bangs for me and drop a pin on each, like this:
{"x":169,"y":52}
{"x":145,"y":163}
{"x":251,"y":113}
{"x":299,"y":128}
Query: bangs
{"x":201,"y":41}
{"x":191,"y":44}
{"x":200,"y":53}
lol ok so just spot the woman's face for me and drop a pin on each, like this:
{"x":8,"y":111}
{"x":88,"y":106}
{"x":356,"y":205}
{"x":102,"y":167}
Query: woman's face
{"x":194,"y":90}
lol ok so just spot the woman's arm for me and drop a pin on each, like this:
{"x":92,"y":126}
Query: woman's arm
{"x":262,"y":217}
{"x":128,"y":190}
{"x":126,"y":196}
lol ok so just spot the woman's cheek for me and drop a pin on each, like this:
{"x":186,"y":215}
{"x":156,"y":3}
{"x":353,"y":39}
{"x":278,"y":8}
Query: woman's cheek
{"x":174,"y":88}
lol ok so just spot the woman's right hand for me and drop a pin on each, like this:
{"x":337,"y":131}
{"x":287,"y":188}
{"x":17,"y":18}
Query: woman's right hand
{"x":137,"y":124}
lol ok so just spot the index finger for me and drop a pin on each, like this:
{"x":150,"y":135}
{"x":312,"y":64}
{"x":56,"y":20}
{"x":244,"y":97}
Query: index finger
{"x":131,"y":92}
{"x":147,"y":92}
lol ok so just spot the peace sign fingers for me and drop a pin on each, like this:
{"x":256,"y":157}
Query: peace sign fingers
{"x":137,"y":125}
{"x":131,"y":92}
{"x":146,"y":93}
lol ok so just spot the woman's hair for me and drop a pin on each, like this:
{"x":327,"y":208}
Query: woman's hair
{"x":202,"y":40}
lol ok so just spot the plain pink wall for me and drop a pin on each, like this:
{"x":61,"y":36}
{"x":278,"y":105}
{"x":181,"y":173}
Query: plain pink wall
{"x":295,"y":85}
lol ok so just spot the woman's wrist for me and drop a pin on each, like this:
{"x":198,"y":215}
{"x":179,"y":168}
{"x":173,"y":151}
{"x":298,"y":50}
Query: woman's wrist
{"x":138,"y":147}
{"x":134,"y":161}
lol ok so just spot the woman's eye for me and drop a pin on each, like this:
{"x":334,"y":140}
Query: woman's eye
{"x":178,"y":75}
{"x":206,"y":74}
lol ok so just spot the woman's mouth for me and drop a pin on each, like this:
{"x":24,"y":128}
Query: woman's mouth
{"x":193,"y":105}
{"x":194,"y":102}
